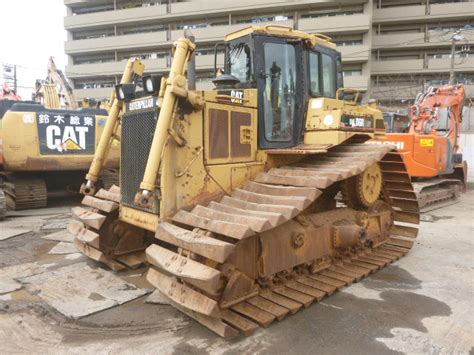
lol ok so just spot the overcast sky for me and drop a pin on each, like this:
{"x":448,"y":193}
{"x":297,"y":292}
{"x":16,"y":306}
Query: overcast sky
{"x":32,"y":31}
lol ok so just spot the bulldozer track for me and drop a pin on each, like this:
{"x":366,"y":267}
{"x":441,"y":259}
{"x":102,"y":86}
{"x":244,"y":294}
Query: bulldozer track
{"x":23,"y":193}
{"x":187,"y":260}
{"x":110,"y":177}
{"x":88,"y":224}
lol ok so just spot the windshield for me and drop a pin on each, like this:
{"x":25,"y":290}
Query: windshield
{"x":239,"y":61}
{"x":442,"y":123}
{"x":396,"y":123}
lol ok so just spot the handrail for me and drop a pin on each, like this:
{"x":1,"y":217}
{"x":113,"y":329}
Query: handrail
{"x":348,"y":90}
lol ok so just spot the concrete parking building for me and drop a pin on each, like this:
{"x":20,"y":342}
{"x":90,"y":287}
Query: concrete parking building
{"x":390,"y":48}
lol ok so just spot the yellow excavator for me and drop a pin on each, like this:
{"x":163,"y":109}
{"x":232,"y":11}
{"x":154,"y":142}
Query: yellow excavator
{"x":253,"y":200}
{"x":45,"y":149}
{"x":55,"y":91}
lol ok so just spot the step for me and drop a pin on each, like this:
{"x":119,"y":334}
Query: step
{"x":276,"y":190}
{"x":233,"y":230}
{"x":282,"y":301}
{"x":89,"y":218}
{"x":255,"y":314}
{"x":107,"y":195}
{"x":275,"y":219}
{"x":257,"y":224}
{"x":335,"y":176}
{"x":198,"y":243}
{"x":244,"y":325}
{"x":97,"y":255}
{"x":287,"y":211}
{"x":404,"y":231}
{"x":77,"y":229}
{"x":278,"y":311}
{"x":103,"y":205}
{"x":300,"y":181}
{"x":183,"y":267}
{"x":295,"y":201}
{"x":294,"y":295}
{"x":328,"y":289}
{"x":183,"y":295}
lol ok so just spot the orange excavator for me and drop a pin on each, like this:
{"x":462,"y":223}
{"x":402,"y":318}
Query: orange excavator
{"x":8,"y":97}
{"x":8,"y":94}
{"x":431,"y":148}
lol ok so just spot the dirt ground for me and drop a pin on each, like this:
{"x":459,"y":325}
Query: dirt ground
{"x":422,"y":303}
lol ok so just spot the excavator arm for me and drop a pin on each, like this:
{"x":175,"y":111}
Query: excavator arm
{"x":56,"y":77}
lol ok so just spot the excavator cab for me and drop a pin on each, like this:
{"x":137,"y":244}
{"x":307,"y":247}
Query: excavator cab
{"x":396,"y":122}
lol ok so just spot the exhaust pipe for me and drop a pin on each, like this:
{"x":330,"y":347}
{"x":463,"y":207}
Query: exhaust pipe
{"x":192,"y":62}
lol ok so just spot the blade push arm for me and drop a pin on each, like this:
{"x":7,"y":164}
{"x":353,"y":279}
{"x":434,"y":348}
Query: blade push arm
{"x":175,"y":88}
{"x":134,"y":67}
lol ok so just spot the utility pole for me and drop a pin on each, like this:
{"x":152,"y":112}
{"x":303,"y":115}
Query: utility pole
{"x":9,"y":75}
{"x":14,"y":79}
{"x":457,"y":36}
{"x":451,"y":68}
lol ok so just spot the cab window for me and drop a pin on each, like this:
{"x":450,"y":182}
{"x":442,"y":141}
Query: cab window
{"x":442,"y":123}
{"x":329,"y":71}
{"x":322,"y":74}
{"x":279,"y":95}
{"x":314,"y":77}
{"x":240,"y":61}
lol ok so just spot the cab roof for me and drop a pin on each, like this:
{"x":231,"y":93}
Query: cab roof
{"x":282,"y":31}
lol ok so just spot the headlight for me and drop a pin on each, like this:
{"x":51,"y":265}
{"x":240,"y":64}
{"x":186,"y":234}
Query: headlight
{"x":149,"y":85}
{"x":121,"y":95}
{"x":125,"y":92}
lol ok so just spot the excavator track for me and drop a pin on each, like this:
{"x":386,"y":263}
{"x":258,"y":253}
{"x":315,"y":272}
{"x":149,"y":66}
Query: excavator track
{"x":202,"y":260}
{"x":200,"y":248}
{"x":23,"y":193}
{"x":437,"y":193}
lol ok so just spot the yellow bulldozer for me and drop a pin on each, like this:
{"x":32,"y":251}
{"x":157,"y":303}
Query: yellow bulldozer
{"x":45,"y":150}
{"x":255,"y":199}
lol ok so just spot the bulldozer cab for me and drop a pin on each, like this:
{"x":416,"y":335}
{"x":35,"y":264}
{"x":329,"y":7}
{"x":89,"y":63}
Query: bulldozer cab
{"x":287,"y":68}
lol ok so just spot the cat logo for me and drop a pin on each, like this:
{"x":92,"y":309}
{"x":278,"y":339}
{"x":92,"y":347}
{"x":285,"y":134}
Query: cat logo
{"x":71,"y":138}
{"x":66,"y":133}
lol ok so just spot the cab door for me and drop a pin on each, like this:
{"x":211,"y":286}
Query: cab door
{"x":279,"y":76}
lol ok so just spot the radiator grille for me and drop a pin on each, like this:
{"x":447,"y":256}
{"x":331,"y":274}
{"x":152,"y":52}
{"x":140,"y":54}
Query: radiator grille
{"x":137,"y":134}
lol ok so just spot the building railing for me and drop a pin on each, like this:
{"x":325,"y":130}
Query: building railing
{"x":407,"y":12}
